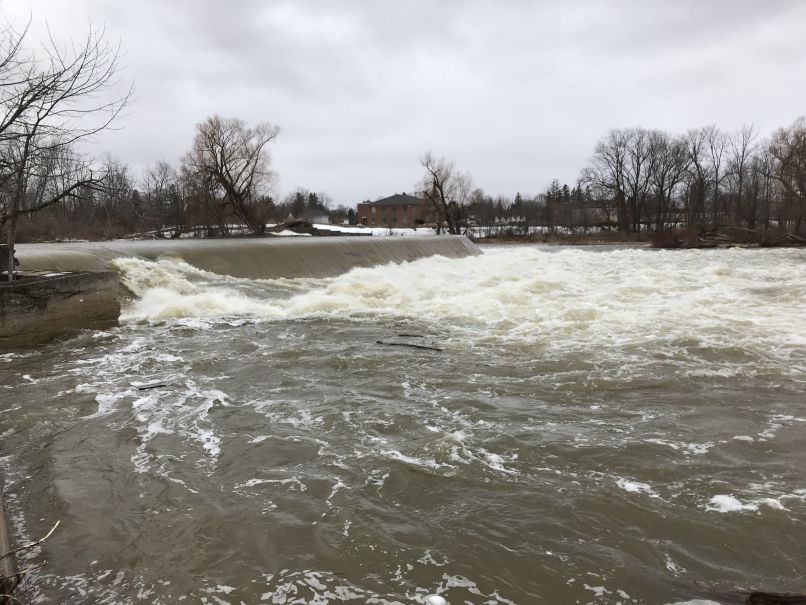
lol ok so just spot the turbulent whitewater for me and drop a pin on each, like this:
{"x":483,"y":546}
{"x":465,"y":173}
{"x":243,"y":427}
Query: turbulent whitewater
{"x":600,"y":426}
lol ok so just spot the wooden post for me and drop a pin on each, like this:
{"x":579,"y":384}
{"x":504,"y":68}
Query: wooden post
{"x":8,"y":567}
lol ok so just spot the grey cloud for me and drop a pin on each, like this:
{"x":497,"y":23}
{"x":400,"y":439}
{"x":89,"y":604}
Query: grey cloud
{"x":516,"y":92}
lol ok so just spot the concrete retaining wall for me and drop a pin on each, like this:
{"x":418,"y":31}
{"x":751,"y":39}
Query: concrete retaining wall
{"x":35,"y":309}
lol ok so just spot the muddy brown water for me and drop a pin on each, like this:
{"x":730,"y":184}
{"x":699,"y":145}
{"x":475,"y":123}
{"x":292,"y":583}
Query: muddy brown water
{"x":601,"y":426}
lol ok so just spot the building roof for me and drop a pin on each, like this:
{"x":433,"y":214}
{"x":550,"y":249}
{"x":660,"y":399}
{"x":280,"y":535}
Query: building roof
{"x":398,"y":199}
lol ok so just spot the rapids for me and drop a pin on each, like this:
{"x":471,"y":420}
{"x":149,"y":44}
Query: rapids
{"x":602,"y":425}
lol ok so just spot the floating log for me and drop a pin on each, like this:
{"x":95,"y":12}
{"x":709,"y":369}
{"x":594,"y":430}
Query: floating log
{"x":407,"y":344}
{"x":154,"y":384}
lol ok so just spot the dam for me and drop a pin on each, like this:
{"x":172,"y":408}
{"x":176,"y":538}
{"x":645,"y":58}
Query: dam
{"x":250,"y":258}
{"x":75,"y":286}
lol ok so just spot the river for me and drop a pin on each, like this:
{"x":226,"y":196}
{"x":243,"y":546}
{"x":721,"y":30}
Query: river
{"x":599,"y":425}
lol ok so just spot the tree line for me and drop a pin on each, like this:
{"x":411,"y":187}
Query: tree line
{"x":646,"y":180}
{"x":50,"y":102}
{"x":55,"y":98}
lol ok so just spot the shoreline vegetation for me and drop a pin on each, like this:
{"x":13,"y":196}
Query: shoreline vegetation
{"x":684,"y":238}
{"x":680,"y":238}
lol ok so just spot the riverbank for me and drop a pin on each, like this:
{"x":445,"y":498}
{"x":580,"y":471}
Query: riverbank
{"x":672,"y":239}
{"x":39,"y":307}
{"x":586,"y":239}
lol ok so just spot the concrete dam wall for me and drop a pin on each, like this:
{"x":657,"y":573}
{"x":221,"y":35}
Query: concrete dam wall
{"x":35,"y":309}
{"x":252,"y":258}
{"x":73,"y":286}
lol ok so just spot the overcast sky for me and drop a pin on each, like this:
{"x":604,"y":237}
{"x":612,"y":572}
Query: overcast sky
{"x":516,"y":93}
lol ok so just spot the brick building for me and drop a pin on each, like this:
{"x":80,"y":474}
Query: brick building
{"x":399,"y":210}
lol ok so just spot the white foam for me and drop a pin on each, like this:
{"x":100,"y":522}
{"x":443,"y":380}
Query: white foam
{"x":725,"y":504}
{"x":673,"y":567}
{"x":294,"y":482}
{"x":259,"y":439}
{"x":182,"y":410}
{"x":686,"y":448}
{"x":416,"y":461}
{"x":428,"y":559}
{"x":210,"y":442}
{"x":599,"y":591}
{"x":528,"y":294}
{"x":636,"y":487}
{"x":107,"y":402}
{"x":728,"y":503}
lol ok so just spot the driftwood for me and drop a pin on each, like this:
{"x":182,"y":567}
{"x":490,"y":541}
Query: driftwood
{"x":407,"y":344}
{"x":157,"y":385}
{"x":9,"y":582}
{"x":752,"y":597}
{"x":774,"y":598}
{"x":29,"y":545}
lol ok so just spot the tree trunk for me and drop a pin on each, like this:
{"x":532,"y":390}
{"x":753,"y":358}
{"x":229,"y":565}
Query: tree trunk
{"x":621,"y":211}
{"x":11,"y":236}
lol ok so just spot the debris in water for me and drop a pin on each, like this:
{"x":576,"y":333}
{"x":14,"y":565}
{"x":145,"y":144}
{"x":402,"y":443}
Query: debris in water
{"x":757,"y":597}
{"x":407,"y":344}
{"x":154,"y":384}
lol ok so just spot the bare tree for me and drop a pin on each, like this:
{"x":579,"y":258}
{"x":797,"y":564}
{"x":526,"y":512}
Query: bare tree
{"x":234,"y":159}
{"x":114,"y":197}
{"x":447,"y":190}
{"x":698,"y":176}
{"x":605,"y":173}
{"x":716,"y":143}
{"x":638,"y":173}
{"x":788,"y":150}
{"x":669,"y":164}
{"x":742,"y":147}
{"x":763,"y":184}
{"x":49,"y":102}
{"x":163,"y":208}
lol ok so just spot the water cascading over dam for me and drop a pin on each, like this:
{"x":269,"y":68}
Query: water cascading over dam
{"x":79,"y":287}
{"x":264,"y":258}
